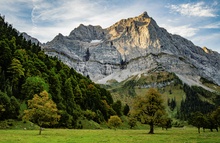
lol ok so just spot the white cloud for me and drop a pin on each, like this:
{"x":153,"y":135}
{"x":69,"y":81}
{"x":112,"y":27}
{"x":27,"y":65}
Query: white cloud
{"x":199,"y":9}
{"x":212,"y":25}
{"x":61,"y":16}
{"x":62,"y":10}
{"x":79,"y":10}
{"x":184,"y":30}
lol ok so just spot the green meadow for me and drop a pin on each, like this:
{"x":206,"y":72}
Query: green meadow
{"x":174,"y":135}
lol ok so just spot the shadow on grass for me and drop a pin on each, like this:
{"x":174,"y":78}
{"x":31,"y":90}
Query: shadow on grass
{"x":156,"y":133}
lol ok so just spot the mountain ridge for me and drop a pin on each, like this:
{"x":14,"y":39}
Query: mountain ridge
{"x":136,"y":45}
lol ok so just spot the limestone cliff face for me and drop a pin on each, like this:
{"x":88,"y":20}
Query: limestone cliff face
{"x":132,"y":46}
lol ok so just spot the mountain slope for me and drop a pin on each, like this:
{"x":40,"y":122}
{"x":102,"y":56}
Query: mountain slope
{"x":133,"y":46}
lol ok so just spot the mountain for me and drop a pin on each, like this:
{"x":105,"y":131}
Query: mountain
{"x":30,"y":38}
{"x":132,"y":47}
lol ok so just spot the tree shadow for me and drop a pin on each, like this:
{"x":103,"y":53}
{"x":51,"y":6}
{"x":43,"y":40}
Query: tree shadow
{"x":155,"y":133}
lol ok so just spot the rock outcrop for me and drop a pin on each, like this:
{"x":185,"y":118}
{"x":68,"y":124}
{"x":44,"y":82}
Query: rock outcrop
{"x":132,"y":46}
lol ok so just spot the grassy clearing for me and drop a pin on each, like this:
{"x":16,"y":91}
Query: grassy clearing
{"x":174,"y":135}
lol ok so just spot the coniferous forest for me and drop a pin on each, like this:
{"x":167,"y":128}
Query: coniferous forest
{"x":25,"y":70}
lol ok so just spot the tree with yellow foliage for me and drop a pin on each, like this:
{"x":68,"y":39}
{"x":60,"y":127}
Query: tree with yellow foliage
{"x":149,"y":109}
{"x":42,"y":111}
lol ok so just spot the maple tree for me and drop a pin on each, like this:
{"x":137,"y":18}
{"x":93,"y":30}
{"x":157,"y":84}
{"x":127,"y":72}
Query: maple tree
{"x":42,"y":111}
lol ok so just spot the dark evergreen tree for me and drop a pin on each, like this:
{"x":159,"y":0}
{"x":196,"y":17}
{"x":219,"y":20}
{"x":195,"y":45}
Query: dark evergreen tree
{"x":14,"y":108}
{"x":5,"y":104}
{"x":126,"y":109}
{"x":68,"y":96}
{"x":117,"y":106}
{"x":197,"y":120}
{"x":55,"y":88}
{"x":5,"y":55}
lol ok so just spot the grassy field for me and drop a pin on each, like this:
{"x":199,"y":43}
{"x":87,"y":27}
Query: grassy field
{"x":174,"y":135}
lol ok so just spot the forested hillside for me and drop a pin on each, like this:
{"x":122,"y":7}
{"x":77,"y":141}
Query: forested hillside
{"x":25,"y":70}
{"x":181,"y":100}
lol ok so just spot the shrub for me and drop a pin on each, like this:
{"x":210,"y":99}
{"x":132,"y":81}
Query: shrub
{"x":114,"y":121}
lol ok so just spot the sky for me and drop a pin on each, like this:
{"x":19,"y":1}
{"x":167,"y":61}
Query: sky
{"x":196,"y":20}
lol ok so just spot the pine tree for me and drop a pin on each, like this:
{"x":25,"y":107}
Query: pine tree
{"x":117,"y":107}
{"x":16,"y":70}
{"x":126,"y":110}
{"x":5,"y":106}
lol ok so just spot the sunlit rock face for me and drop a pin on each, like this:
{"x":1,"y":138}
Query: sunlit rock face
{"x":132,"y":46}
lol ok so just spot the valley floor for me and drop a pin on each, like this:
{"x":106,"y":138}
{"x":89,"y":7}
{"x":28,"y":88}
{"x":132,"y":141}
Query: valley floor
{"x":174,"y":135}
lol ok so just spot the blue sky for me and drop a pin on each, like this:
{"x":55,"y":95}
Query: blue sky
{"x":196,"y":20}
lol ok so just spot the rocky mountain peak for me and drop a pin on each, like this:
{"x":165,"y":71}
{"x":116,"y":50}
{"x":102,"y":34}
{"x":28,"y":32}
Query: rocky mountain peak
{"x":141,"y":31}
{"x":87,"y":33}
{"x":135,"y":22}
{"x":144,"y":15}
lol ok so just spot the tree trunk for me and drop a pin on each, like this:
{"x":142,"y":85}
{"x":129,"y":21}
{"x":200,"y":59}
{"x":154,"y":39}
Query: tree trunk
{"x":151,"y":128}
{"x":40,"y":130}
